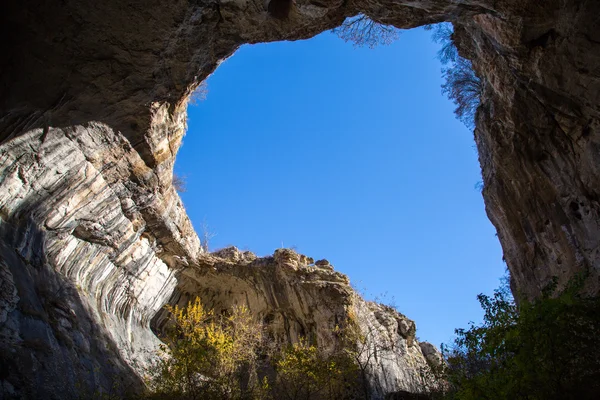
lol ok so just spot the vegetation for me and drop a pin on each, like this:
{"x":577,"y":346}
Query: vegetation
{"x":199,"y":94}
{"x":535,"y":350}
{"x":543,"y":349}
{"x":363,"y":31}
{"x":461,"y":85}
{"x":464,"y":88}
{"x":206,"y":235}
{"x":179,"y":183}
{"x":208,"y":356}
{"x":305,"y":372}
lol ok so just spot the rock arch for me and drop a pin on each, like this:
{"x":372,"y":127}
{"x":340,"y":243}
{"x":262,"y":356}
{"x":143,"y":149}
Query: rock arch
{"x":92,"y":112}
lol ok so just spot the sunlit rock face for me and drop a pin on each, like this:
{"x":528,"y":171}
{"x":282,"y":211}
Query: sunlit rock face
{"x":95,"y":240}
{"x":297,"y":298}
{"x":81,"y":278}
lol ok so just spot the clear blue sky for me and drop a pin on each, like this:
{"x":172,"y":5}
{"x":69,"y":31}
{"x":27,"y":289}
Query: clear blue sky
{"x":353,"y":155}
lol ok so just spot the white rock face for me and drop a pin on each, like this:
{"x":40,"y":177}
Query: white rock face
{"x":79,"y":257}
{"x":392,"y":352}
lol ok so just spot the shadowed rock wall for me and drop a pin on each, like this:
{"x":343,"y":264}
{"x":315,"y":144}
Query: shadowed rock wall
{"x":92,"y":112}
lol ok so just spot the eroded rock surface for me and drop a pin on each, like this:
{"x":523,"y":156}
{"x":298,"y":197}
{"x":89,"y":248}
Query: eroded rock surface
{"x":92,"y":111}
{"x":296,"y":298}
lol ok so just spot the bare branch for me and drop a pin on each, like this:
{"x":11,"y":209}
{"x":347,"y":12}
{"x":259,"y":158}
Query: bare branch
{"x":363,"y":31}
{"x":199,"y":94}
{"x":179,"y":183}
{"x":206,"y":236}
{"x":462,"y":86}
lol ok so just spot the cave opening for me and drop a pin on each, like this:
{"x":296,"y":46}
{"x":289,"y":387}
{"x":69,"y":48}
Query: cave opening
{"x":92,"y":115}
{"x":349,"y":154}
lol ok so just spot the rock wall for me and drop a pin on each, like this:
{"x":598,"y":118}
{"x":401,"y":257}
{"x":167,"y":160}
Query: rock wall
{"x":92,"y":111}
{"x":78,"y":262}
{"x":296,"y":298}
{"x":538,"y":135}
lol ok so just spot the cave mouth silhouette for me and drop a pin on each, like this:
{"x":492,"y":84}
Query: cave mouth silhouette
{"x":317,"y":164}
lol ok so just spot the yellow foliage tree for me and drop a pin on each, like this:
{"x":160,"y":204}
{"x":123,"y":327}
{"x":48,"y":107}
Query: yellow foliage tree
{"x":305,"y":372}
{"x":207,"y":356}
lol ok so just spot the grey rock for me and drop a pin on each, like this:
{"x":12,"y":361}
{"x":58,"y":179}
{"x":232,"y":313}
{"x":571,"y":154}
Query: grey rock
{"x":431,"y":353}
{"x":8,"y":292}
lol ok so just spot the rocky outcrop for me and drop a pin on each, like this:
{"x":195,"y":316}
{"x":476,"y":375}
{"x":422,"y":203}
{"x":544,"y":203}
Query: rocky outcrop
{"x":76,"y":248}
{"x":297,"y":298}
{"x":432,"y":354}
{"x":92,"y":111}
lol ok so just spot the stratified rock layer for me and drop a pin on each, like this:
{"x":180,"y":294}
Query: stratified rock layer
{"x":297,"y":298}
{"x":92,"y":111}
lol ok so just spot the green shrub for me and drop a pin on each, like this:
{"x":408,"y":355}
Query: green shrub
{"x":537,"y":350}
{"x":305,"y":372}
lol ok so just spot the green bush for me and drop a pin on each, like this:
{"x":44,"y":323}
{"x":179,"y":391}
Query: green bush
{"x":537,"y":350}
{"x":305,"y":372}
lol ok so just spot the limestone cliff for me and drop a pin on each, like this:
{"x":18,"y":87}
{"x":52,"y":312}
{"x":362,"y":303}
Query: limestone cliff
{"x":92,"y":111}
{"x":296,"y":298}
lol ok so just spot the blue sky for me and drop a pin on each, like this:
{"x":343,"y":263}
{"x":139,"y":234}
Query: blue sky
{"x":353,"y":155}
